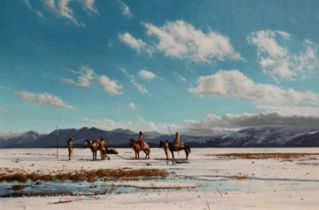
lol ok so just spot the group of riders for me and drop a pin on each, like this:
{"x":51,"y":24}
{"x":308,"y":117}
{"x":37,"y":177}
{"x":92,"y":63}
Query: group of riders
{"x":176,"y":141}
{"x":141,"y":140}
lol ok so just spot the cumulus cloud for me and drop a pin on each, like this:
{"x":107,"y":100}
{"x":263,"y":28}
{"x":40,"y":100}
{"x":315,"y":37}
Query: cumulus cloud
{"x":147,"y":75}
{"x":44,"y":99}
{"x":142,"y":89}
{"x":265,"y":96}
{"x":140,"y":124}
{"x":84,"y":77}
{"x":214,"y":124}
{"x":110,"y":86}
{"x":179,"y":39}
{"x":132,"y":106}
{"x":275,"y":58}
{"x":136,"y":44}
{"x":125,"y":9}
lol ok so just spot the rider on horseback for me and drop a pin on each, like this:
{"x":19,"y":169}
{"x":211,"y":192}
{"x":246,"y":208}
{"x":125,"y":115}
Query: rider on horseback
{"x":141,"y":139}
{"x":177,"y":140}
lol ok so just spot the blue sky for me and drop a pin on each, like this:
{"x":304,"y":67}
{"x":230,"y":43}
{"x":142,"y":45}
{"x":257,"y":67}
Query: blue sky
{"x":197,"y":66}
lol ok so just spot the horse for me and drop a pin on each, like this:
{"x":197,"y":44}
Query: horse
{"x":102,"y":146}
{"x":137,"y":148}
{"x":175,"y":148}
{"x":96,"y":145}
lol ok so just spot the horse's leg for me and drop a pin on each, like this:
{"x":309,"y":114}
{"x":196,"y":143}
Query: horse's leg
{"x":69,"y":154}
{"x":147,"y":154}
{"x":166,"y":153}
{"x":186,"y":152}
{"x":173,"y":157}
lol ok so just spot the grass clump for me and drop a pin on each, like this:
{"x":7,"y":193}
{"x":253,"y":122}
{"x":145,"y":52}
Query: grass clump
{"x":84,"y":175}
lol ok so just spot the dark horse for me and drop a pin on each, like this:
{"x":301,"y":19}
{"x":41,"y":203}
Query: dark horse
{"x":175,"y":148}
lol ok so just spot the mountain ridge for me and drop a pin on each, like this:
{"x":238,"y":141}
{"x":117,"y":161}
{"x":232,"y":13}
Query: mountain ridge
{"x":261,"y":136}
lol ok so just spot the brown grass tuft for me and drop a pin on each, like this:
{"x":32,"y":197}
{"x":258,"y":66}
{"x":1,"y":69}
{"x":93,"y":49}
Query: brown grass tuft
{"x":82,"y":175}
{"x":240,"y":177}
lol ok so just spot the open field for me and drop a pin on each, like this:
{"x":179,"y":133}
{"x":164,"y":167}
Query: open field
{"x":211,"y":179}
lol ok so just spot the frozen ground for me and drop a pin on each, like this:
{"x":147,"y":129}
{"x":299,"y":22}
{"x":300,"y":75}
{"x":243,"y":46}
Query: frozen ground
{"x":204,"y":182}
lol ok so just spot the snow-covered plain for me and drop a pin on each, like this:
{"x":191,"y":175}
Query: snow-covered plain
{"x":204,"y":182}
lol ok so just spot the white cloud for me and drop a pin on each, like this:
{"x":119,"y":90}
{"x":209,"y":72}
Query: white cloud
{"x":179,"y":39}
{"x":89,"y":4}
{"x":62,"y":8}
{"x":132,"y":42}
{"x":110,"y":86}
{"x":147,"y":75}
{"x":214,"y":124}
{"x":84,"y":77}
{"x":142,"y":89}
{"x":265,"y":96}
{"x":109,"y":124}
{"x":38,"y":13}
{"x":44,"y":99}
{"x":132,"y":106}
{"x":125,"y":9}
{"x":275,"y":59}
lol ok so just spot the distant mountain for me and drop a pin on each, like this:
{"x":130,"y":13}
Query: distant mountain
{"x":19,"y":140}
{"x":276,"y":136}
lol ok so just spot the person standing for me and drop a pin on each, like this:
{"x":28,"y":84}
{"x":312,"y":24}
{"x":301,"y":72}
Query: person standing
{"x":70,"y":146}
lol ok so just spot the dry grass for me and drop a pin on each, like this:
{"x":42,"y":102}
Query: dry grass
{"x":240,"y":177}
{"x":84,"y":175}
{"x":274,"y":155}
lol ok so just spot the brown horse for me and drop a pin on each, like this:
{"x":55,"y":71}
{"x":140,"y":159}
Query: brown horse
{"x":96,"y":145}
{"x":102,"y":146}
{"x":137,"y":148}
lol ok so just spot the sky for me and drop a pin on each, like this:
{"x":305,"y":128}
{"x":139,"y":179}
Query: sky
{"x":199,"y":67}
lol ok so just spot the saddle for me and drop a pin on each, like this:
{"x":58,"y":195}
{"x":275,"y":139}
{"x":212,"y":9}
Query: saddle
{"x":179,"y":145}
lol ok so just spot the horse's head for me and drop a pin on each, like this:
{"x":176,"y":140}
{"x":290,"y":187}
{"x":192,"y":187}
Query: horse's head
{"x":132,"y":142}
{"x":87,"y":143}
{"x":161,"y":144}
